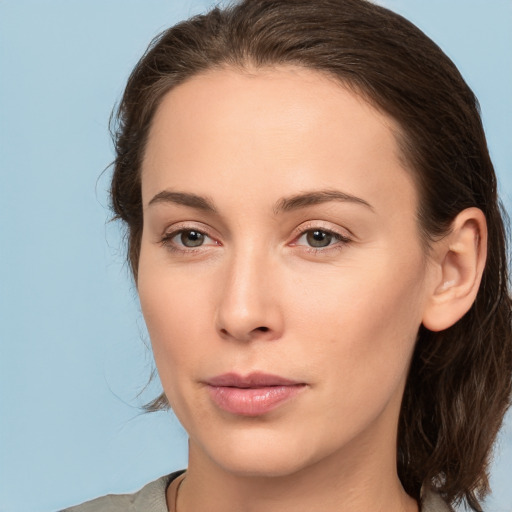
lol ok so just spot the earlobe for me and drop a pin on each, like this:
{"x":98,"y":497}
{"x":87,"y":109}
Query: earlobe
{"x":459,"y":262}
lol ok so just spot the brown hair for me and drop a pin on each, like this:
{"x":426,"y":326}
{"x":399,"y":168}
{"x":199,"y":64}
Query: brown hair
{"x":459,"y":385}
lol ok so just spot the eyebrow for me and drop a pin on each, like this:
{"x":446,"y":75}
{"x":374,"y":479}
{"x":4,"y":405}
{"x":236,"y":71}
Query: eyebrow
{"x":184,"y":199}
{"x":295,"y":202}
{"x":306,"y":199}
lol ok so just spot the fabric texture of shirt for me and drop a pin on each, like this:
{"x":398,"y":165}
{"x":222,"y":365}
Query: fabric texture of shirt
{"x":151,"y":498}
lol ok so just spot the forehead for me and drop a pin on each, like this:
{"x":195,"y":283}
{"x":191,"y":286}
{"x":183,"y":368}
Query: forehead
{"x":271,"y":129}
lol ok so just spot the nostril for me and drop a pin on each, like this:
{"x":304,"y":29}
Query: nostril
{"x":242,"y":334}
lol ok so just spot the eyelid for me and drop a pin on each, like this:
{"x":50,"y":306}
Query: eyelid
{"x":340,"y":240}
{"x":175,"y":229}
{"x":343,"y":234}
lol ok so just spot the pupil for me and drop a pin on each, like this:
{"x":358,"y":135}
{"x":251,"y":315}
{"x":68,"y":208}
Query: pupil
{"x":192,"y":238}
{"x":318,"y":238}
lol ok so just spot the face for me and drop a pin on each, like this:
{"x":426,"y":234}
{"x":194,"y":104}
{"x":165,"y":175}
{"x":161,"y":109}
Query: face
{"x":281,"y":274}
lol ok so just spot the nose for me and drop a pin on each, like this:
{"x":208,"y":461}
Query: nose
{"x":249,"y":307}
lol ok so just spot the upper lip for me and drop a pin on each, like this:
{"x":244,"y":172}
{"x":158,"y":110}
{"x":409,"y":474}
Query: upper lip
{"x":251,"y":380}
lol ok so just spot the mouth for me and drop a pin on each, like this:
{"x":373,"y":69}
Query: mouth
{"x":251,"y":395}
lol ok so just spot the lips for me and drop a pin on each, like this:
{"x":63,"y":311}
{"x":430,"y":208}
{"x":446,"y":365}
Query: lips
{"x":251,"y":395}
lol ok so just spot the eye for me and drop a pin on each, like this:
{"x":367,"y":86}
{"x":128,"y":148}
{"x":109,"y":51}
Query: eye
{"x":190,"y":238}
{"x":184,"y":239}
{"x":320,"y":238}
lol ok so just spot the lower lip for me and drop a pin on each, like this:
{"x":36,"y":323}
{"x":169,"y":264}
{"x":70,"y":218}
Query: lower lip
{"x":252,"y":401}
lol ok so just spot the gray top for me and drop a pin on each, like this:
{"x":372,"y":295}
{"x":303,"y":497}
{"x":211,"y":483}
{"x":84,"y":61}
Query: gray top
{"x":432,"y":502}
{"x":151,"y":498}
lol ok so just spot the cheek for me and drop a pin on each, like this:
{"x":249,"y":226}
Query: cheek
{"x":359,"y":325}
{"x":172,"y":312}
{"x":175,"y":321}
{"x":172,"y":315}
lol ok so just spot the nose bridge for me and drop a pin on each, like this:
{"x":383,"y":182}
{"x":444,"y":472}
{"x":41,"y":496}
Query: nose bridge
{"x":248,"y":306}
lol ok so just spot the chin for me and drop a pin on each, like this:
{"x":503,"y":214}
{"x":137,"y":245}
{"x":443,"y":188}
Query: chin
{"x":263,"y":465}
{"x":263,"y":454}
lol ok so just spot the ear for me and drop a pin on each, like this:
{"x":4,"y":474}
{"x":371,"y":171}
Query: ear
{"x":458,"y":263}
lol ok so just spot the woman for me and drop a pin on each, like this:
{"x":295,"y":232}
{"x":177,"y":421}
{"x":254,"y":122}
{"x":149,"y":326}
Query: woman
{"x":317,"y":244}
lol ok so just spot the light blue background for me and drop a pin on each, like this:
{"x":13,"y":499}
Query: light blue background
{"x":72,"y":357}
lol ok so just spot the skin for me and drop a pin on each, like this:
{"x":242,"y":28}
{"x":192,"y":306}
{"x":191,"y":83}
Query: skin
{"x":342,"y":319}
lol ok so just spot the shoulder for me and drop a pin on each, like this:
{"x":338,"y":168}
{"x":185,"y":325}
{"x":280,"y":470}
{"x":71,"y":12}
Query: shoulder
{"x":432,"y":502}
{"x":151,"y":498}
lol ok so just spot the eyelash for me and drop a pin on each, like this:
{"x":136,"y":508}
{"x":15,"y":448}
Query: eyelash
{"x":339,"y":240}
{"x":167,"y":242}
